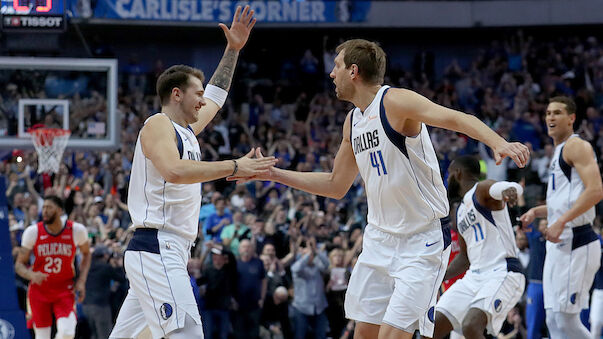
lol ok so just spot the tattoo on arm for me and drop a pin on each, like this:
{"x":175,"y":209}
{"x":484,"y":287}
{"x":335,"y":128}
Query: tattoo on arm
{"x":223,"y":75}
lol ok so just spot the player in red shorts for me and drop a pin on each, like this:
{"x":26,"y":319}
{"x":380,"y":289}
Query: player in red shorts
{"x":52,"y":290}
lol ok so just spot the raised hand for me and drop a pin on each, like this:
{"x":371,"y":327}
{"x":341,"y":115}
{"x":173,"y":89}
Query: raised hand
{"x":518,"y":152}
{"x":241,"y":26}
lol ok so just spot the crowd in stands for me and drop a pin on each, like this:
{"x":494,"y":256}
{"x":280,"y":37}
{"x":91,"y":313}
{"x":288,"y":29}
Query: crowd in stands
{"x":273,"y":262}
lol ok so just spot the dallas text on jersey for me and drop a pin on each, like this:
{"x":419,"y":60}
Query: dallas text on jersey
{"x":366,"y":141}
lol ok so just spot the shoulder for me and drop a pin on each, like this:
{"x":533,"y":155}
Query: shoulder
{"x":395,"y":96}
{"x":31,"y":229}
{"x":80,"y":233}
{"x":29,"y":236}
{"x":78,"y":227}
{"x":576,"y":144}
{"x":577,"y":149}
{"x":347,"y":125}
{"x":156,"y":123}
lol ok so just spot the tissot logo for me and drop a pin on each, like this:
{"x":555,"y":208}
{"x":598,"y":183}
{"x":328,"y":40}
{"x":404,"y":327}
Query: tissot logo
{"x":28,"y":21}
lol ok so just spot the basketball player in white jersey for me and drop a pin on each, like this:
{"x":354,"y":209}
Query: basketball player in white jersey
{"x":394,"y":285}
{"x":573,"y":251}
{"x":494,"y":282}
{"x":165,"y":195}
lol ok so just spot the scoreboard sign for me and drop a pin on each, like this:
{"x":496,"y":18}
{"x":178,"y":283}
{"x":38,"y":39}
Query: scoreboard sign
{"x":28,"y":15}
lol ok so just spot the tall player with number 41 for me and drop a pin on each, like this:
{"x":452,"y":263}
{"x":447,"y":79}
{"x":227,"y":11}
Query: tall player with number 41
{"x":51,"y":291}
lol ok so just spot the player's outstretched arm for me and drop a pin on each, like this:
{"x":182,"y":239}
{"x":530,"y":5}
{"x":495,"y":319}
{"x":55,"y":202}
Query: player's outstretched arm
{"x":579,"y":154}
{"x":407,"y":104}
{"x":460,"y":263}
{"x":493,"y":195}
{"x":236,"y":37}
{"x":333,"y":185}
{"x":158,"y":139}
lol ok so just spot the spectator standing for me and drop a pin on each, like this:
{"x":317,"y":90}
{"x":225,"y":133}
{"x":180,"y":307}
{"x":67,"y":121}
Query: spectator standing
{"x":217,"y":221}
{"x":97,"y":307}
{"x":251,"y":292}
{"x":218,"y":295}
{"x":310,"y":301}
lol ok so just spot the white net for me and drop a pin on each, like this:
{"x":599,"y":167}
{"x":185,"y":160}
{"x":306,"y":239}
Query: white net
{"x":50,"y":144}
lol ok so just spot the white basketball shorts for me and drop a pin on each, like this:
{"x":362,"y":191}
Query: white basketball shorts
{"x":494,"y":291}
{"x":397,"y":277}
{"x":569,"y":269}
{"x":160,"y":294}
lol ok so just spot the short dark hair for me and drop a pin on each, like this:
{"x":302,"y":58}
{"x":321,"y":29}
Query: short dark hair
{"x":176,"y":76}
{"x":368,"y":56}
{"x":56,"y":200}
{"x":469,"y":164}
{"x":569,"y":103}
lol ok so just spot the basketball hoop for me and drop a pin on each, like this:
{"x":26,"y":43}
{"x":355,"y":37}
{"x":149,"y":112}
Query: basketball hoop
{"x":50,"y":144}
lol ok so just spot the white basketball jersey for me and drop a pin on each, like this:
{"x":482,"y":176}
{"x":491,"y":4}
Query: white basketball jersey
{"x":488,"y":234}
{"x":564,"y":188}
{"x":156,"y":203}
{"x":404,"y":188}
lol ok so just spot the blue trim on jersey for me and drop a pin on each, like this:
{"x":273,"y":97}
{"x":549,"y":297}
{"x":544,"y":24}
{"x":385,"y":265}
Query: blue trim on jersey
{"x":513,"y":265}
{"x":396,"y":138}
{"x":565,"y":167}
{"x":352,"y":124}
{"x":583,"y":235}
{"x":149,"y":290}
{"x":144,"y":240}
{"x":483,"y":210}
{"x":445,"y":222}
{"x":180,"y":145}
{"x":191,"y":129}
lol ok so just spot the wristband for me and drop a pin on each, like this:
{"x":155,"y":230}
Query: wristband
{"x":497,"y":188}
{"x":215,"y":94}
{"x":236,"y":168}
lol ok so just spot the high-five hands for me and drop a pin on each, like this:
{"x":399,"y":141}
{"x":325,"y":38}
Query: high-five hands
{"x":250,"y":167}
{"x":265,"y":174}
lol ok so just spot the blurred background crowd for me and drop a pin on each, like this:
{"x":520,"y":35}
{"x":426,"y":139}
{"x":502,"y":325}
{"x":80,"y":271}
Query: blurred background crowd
{"x":273,"y":262}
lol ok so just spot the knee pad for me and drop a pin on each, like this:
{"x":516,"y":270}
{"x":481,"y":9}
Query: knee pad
{"x":66,"y":327}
